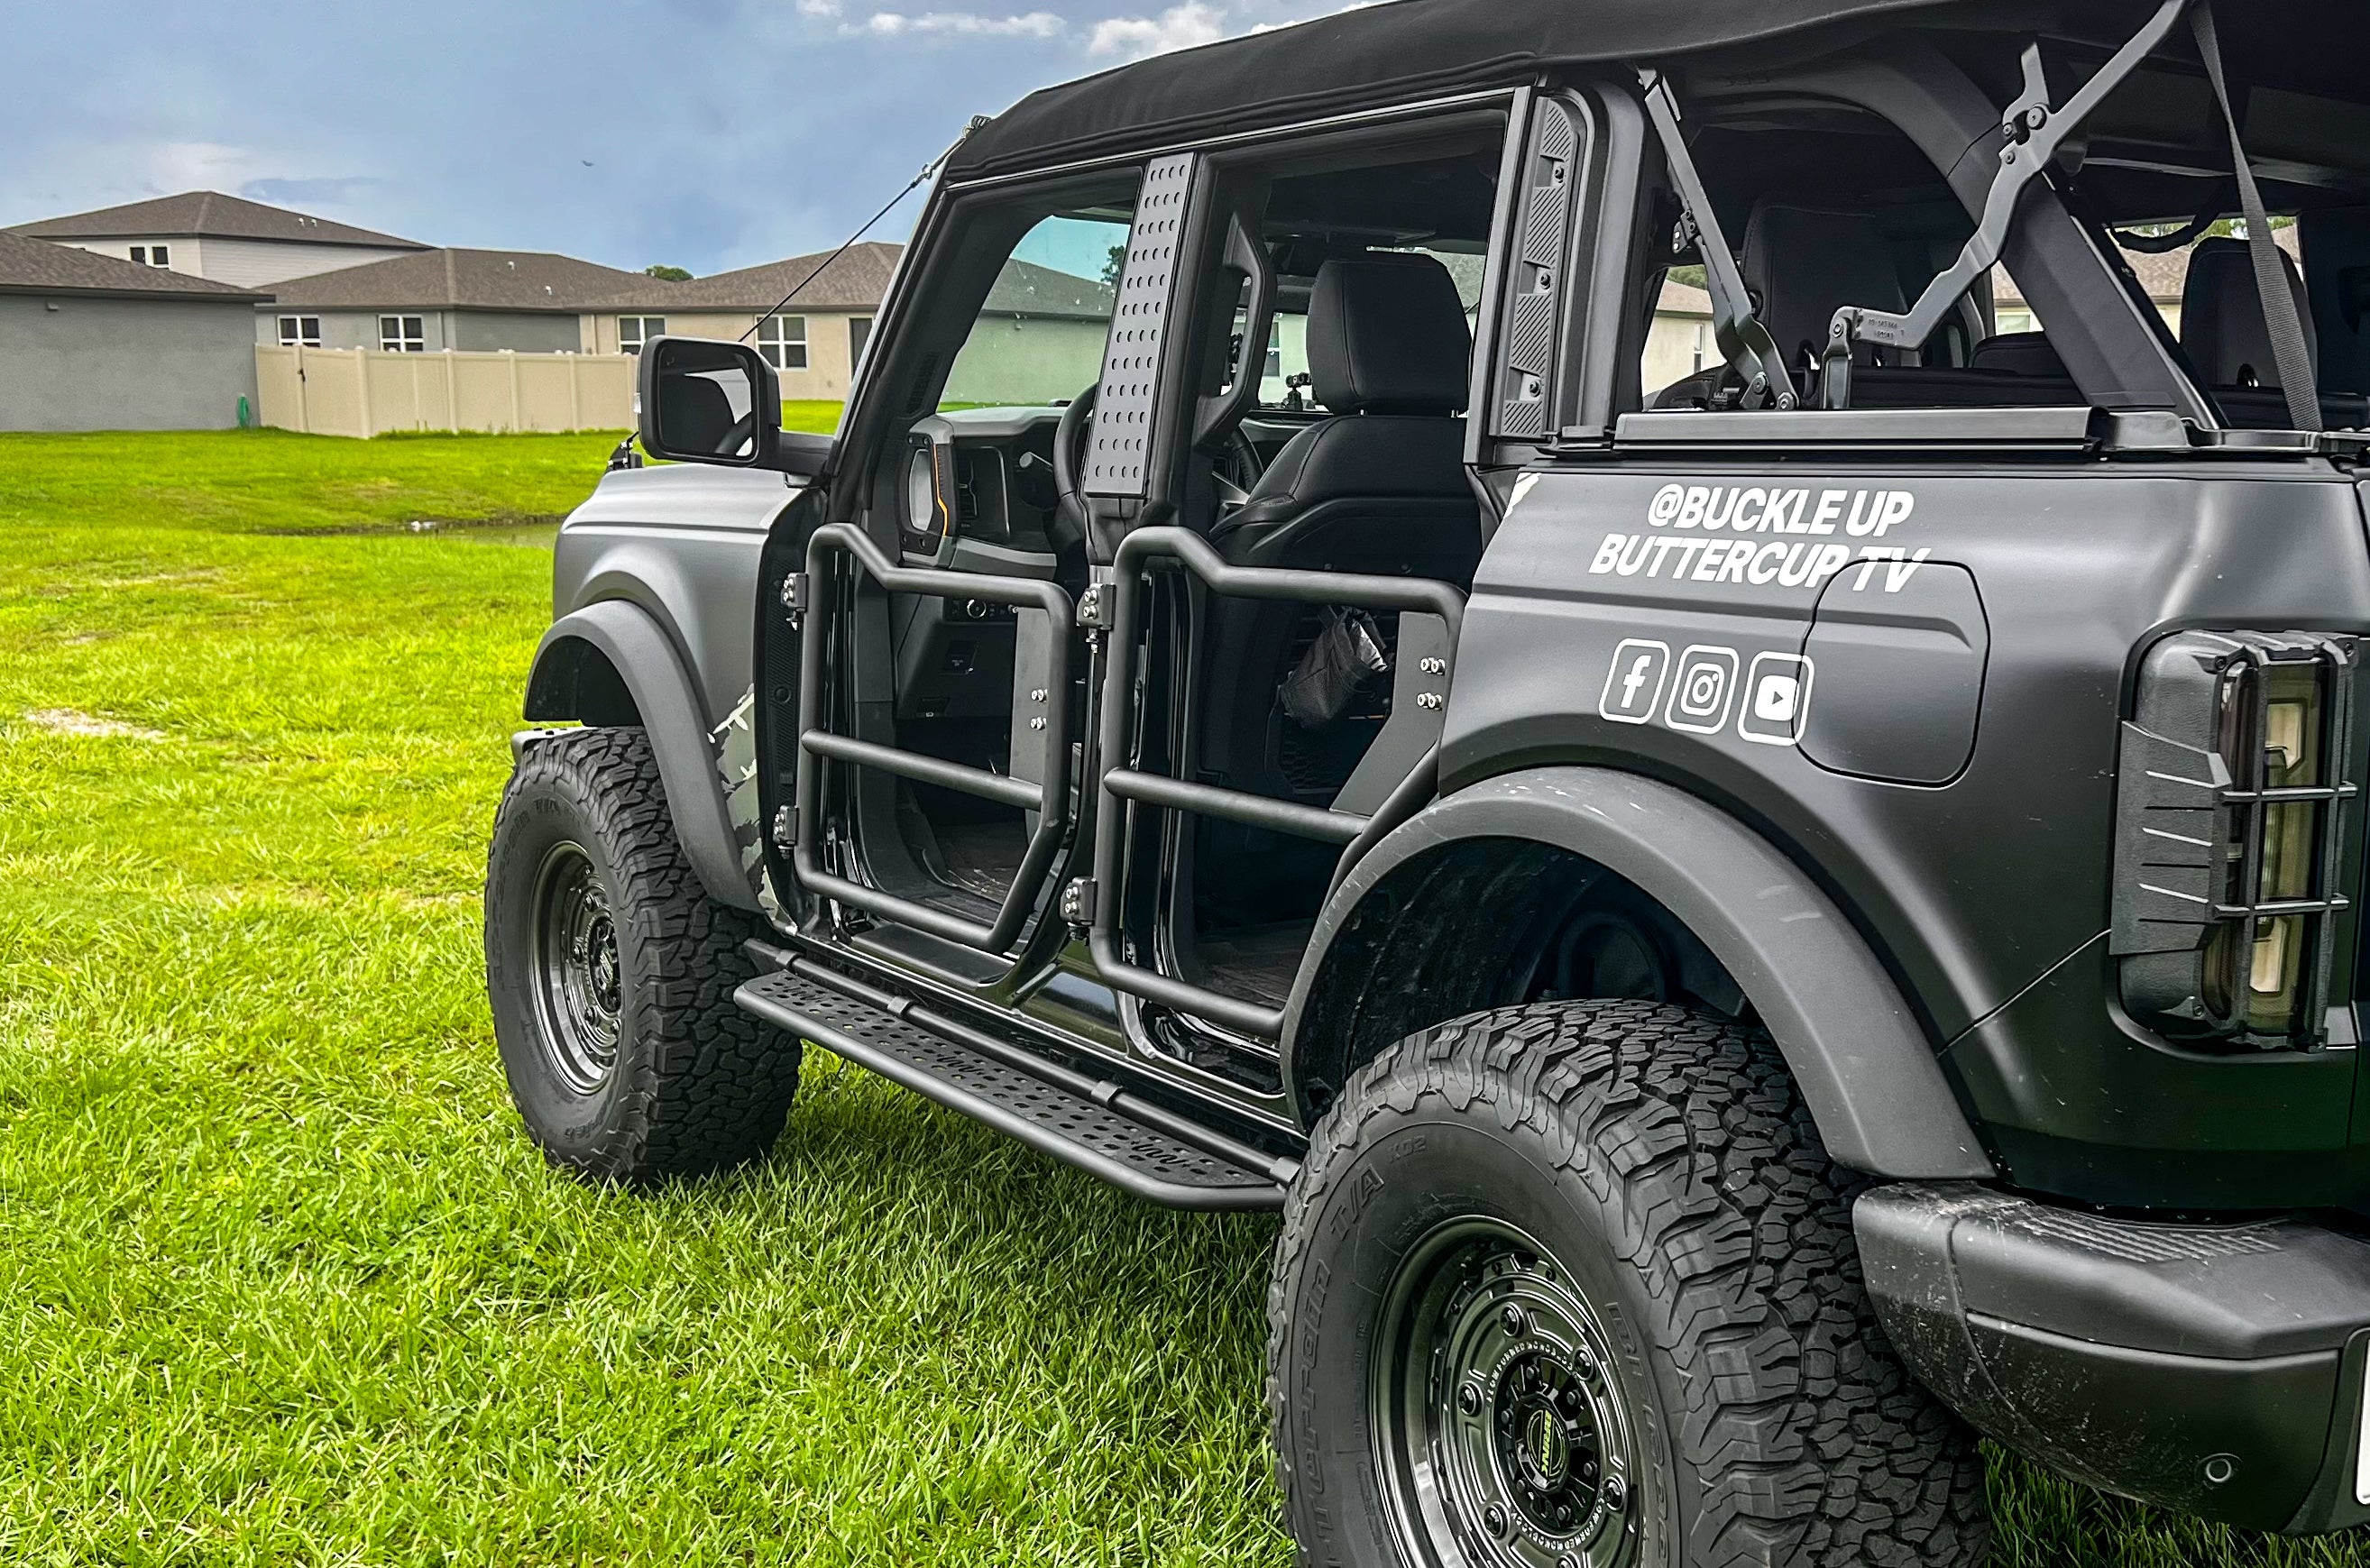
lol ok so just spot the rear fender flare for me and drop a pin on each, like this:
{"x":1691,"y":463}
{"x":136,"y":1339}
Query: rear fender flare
{"x":1864,"y":1066}
{"x":667,"y":700}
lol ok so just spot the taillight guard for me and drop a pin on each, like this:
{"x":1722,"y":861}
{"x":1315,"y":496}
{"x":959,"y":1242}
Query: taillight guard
{"x":2230,"y":871}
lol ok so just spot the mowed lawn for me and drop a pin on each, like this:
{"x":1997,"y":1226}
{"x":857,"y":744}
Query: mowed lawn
{"x":281,"y":1279}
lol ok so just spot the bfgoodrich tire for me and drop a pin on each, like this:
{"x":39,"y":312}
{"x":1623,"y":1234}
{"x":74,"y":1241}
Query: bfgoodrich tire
{"x":611,"y":974}
{"x":1575,"y":1284}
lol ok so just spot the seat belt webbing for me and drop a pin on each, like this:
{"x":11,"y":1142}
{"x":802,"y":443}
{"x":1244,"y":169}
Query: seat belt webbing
{"x":2279,"y":317}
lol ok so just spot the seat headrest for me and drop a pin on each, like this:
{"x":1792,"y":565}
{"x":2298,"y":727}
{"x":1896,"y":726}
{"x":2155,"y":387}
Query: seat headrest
{"x":2018,"y":354}
{"x":2222,"y":325}
{"x":1803,"y":262}
{"x":1387,"y":334}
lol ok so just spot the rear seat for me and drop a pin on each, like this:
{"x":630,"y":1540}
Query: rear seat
{"x":2228,"y":345}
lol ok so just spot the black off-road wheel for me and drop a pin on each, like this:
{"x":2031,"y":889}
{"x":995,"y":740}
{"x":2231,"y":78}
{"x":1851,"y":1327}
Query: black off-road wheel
{"x":1573,"y":1286}
{"x":610,"y":974}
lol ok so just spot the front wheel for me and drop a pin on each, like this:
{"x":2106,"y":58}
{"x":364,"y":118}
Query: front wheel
{"x":611,"y":973}
{"x":1573,"y":1286}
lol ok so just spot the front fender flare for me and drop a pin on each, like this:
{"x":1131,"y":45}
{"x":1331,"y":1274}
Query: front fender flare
{"x":667,"y":700}
{"x":1865,"y":1068}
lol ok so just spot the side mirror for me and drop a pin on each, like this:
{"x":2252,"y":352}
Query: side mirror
{"x":704,"y":401}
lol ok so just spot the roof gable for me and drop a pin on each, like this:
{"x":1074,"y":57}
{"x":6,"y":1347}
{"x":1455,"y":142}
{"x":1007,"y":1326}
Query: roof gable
{"x":38,"y":267}
{"x":465,"y":279}
{"x":856,"y":281}
{"x":207,"y":214}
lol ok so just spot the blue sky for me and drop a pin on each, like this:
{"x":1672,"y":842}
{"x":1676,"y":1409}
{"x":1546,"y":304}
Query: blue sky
{"x":703,"y":133}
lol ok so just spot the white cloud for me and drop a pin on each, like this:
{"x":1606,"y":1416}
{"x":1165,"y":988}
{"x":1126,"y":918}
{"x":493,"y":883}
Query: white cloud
{"x":1179,"y":26}
{"x":200,"y":166}
{"x":962,"y":23}
{"x":818,"y":7}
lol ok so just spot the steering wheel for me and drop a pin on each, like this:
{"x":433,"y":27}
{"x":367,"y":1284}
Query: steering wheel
{"x":1070,"y":436}
{"x":1240,"y":465}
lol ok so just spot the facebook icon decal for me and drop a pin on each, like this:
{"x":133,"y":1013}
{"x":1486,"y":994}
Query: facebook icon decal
{"x":1633,"y":687}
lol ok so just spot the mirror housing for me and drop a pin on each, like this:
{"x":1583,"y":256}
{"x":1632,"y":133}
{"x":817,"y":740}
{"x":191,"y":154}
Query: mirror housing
{"x":705,"y":401}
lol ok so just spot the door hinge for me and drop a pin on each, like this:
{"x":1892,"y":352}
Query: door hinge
{"x":1078,"y":903}
{"x":1095,"y":607}
{"x":785,"y":827}
{"x":794,"y":597}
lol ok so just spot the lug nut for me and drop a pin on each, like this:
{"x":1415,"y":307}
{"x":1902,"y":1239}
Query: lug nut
{"x":1493,"y":1520}
{"x":1515,"y":1321}
{"x":1468,"y":1400}
{"x":1616,"y":1493}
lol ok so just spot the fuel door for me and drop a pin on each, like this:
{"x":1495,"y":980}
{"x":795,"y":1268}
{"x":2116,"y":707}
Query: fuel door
{"x":1899,"y":648}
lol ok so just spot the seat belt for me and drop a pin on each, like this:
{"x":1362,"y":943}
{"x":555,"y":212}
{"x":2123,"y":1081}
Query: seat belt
{"x":2279,"y":317}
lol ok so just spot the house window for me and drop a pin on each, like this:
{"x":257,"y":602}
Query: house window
{"x":300,"y":331}
{"x":783,"y":341}
{"x":633,"y":331}
{"x":401,"y":335}
{"x":153,"y":255}
{"x":859,"y":333}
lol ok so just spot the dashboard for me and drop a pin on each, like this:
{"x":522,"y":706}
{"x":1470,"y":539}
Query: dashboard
{"x":982,"y":477}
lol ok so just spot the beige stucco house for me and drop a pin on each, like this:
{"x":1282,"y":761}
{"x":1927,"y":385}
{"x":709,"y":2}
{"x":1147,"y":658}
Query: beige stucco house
{"x":814,"y":341}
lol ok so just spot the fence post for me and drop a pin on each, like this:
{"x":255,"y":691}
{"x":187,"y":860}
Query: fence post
{"x":362,"y":393}
{"x":575,"y":393}
{"x":515,"y":391}
{"x":304,"y":407}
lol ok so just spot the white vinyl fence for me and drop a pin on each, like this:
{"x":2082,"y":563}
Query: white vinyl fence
{"x":365,"y":392}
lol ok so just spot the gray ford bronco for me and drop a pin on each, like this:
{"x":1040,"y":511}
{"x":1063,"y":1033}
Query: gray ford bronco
{"x":1612,"y":651}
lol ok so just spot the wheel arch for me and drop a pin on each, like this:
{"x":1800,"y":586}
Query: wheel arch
{"x":1397,"y":948}
{"x":611,"y":664}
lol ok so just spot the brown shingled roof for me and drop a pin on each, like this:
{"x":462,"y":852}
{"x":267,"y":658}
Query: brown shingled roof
{"x":37,"y":267}
{"x":203,"y":213}
{"x":854,"y":281}
{"x":480,"y":279}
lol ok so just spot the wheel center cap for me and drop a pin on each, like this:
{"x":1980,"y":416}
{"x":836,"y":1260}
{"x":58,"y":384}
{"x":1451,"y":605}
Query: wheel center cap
{"x":1547,"y":1452}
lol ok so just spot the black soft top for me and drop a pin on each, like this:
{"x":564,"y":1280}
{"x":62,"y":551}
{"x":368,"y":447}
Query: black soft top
{"x":1415,"y":49}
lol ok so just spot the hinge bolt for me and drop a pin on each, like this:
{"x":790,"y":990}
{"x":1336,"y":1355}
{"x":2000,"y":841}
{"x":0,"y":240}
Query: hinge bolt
{"x":1430,"y":700}
{"x":1434,"y":667}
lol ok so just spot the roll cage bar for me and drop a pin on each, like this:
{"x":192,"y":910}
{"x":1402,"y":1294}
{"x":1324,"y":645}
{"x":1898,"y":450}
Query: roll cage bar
{"x":2033,"y":132}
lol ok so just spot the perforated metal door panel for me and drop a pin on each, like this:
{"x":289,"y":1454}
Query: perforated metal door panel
{"x":1122,"y":446}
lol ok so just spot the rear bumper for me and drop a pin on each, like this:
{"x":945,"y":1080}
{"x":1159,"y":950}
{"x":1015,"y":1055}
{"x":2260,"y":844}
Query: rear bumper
{"x":2217,"y":1369}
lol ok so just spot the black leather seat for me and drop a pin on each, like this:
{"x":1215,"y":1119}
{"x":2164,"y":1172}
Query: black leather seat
{"x":2229,"y":346}
{"x":1379,"y":487}
{"x":1389,"y":353}
{"x":1803,"y":263}
{"x":1800,"y":264}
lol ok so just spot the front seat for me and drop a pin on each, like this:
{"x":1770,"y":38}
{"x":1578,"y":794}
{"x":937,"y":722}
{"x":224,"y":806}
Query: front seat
{"x":1378,"y":488}
{"x":2226,"y":337}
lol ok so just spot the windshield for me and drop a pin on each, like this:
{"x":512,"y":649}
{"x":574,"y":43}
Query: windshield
{"x":1040,"y":336}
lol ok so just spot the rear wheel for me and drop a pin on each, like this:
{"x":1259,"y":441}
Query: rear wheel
{"x":1573,"y":1286}
{"x":610,"y":974}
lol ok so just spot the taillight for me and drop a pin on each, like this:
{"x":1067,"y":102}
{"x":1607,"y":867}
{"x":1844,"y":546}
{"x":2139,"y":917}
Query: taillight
{"x":2230,"y":833}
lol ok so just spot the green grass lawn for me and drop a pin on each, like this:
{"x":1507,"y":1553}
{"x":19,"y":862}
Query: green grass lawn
{"x":281,"y":1280}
